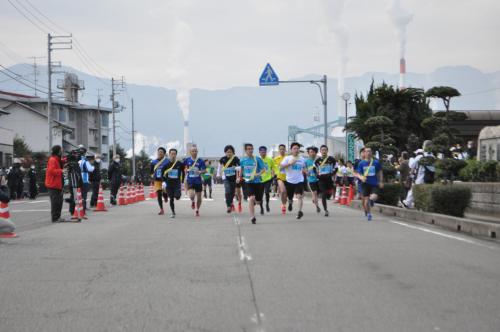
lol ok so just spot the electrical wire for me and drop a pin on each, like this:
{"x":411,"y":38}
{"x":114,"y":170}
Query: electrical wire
{"x":26,"y":17}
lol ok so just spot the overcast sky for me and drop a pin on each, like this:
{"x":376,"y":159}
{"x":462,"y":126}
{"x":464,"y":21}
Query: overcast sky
{"x":224,"y":43}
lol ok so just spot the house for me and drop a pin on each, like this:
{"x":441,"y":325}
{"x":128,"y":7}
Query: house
{"x":73,"y":123}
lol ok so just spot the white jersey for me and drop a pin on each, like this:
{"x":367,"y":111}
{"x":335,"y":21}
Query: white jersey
{"x":294,"y":173}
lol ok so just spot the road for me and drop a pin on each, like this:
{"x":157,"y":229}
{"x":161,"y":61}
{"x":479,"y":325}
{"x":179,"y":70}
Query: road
{"x":132,"y":270}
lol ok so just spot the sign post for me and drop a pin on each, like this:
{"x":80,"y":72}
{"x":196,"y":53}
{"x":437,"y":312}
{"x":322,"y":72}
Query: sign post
{"x":351,"y":146}
{"x":270,"y":78}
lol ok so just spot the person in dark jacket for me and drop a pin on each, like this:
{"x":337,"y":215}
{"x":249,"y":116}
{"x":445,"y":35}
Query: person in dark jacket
{"x":33,"y":188}
{"x":115,"y":178}
{"x":95,"y":180}
{"x":15,"y":177}
{"x":54,"y":183}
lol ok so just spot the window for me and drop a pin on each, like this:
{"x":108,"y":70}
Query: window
{"x":71,"y":115}
{"x":72,"y":134}
{"x":105,"y":120}
{"x":105,"y":157}
{"x":105,"y":140}
{"x":62,"y":115}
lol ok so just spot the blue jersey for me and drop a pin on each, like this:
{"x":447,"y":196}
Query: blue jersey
{"x":370,"y":171}
{"x":192,"y":169}
{"x":251,"y":166}
{"x":158,"y":171}
{"x":312,"y":175}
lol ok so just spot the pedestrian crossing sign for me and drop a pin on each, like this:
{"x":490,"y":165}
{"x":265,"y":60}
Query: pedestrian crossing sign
{"x":268,"y":77}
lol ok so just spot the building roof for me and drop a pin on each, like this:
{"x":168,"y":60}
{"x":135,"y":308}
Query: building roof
{"x":16,"y":97}
{"x":29,"y":108}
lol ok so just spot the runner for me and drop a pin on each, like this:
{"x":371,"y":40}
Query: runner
{"x":251,"y":170}
{"x":281,"y":177}
{"x":312,"y":175}
{"x":325,"y":166}
{"x":157,"y":166}
{"x":207,"y":179}
{"x":339,"y":178}
{"x":356,"y":164}
{"x":172,"y":176}
{"x":267,"y":177}
{"x":370,"y":173}
{"x":228,"y":172}
{"x":195,"y":167}
{"x":294,"y":166}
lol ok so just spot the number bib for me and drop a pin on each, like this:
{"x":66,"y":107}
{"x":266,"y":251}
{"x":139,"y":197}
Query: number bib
{"x":369,"y":170}
{"x":248,"y":171}
{"x":230,"y":171}
{"x":173,"y":174}
{"x":297,"y":167}
{"x":158,"y":173}
{"x":193,"y":172}
{"x":327,"y":169}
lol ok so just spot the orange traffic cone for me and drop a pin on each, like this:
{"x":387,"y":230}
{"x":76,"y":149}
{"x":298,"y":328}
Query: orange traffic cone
{"x":351,"y":194}
{"x":152,"y":193}
{"x":343,"y":197}
{"x":78,"y":213}
{"x":100,"y":202}
{"x":5,"y":217}
{"x":136,"y":193}
{"x":121,"y":196}
{"x":142,"y":194}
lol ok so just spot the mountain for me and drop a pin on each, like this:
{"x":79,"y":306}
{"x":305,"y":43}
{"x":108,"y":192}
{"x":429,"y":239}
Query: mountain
{"x":260,"y":115}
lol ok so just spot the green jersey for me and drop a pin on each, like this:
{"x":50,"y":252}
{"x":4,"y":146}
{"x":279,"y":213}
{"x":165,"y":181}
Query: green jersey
{"x":209,"y":174}
{"x":269,"y":165}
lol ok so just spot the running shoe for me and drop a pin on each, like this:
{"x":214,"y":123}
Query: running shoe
{"x":161,"y":213}
{"x":369,"y":217}
{"x":172,"y":215}
{"x":229,"y":209}
{"x":326,"y":213}
{"x":197,"y":213}
{"x":283,"y":209}
{"x":290,"y":206}
{"x":300,"y":215}
{"x":253,"y":220}
{"x":192,"y":205}
{"x":318,"y":209}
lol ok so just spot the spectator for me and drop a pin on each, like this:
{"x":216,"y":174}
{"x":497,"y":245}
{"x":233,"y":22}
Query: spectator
{"x":404,"y":173}
{"x":86,"y":167}
{"x":54,"y":183}
{"x":115,"y":178}
{"x":95,"y":180}
{"x":14,"y":177}
{"x":33,"y":188}
{"x":423,"y":169}
{"x":6,"y":226}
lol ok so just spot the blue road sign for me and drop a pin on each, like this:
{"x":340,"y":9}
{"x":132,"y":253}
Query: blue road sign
{"x":268,"y":77}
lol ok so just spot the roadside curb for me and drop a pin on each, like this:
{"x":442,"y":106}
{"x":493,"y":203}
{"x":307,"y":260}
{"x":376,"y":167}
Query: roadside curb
{"x":460,"y":225}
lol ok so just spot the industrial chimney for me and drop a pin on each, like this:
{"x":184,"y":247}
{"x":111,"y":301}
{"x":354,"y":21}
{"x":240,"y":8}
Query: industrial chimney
{"x":402,"y":73}
{"x":71,"y":85}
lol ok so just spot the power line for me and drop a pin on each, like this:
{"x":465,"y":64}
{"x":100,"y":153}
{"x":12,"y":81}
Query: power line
{"x":26,"y":17}
{"x":19,"y":81}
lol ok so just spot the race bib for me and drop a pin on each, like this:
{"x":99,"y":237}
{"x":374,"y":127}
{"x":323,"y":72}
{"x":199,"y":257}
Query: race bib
{"x":193,"y":172}
{"x":369,"y":170}
{"x":230,"y":171}
{"x":248,"y":171}
{"x":297,"y":167}
{"x":158,"y":173}
{"x":173,"y":174}
{"x":327,"y":169}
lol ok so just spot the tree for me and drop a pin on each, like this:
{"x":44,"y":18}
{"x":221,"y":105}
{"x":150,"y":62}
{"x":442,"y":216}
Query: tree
{"x":445,"y":93}
{"x":21,"y":148}
{"x":405,"y":108}
{"x":127,"y":170}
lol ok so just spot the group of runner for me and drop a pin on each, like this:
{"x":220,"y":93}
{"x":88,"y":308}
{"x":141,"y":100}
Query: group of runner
{"x":253,"y":176}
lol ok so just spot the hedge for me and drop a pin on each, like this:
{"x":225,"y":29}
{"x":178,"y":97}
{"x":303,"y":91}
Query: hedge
{"x":481,"y":171}
{"x":391,"y":194}
{"x":445,"y":199}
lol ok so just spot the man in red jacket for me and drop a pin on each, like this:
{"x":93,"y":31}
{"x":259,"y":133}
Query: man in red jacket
{"x":54,"y":183}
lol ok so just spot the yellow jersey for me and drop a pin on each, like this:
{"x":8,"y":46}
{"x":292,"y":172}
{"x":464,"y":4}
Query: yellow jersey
{"x":277,"y":168}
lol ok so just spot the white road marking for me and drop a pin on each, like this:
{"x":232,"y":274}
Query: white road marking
{"x":449,"y":236}
{"x":243,"y":249}
{"x":17,"y":211}
{"x":35,"y":202}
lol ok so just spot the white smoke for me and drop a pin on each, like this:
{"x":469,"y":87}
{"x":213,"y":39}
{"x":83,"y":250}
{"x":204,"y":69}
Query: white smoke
{"x":150,"y":143}
{"x":335,"y":30}
{"x":400,"y":18}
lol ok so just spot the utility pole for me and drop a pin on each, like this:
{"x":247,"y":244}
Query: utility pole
{"x":133,"y":141}
{"x":51,"y":41}
{"x":99,"y":121}
{"x":116,"y":86}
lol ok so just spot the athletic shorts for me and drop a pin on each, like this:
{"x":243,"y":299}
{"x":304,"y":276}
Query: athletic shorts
{"x":368,"y":189}
{"x":294,"y":188}
{"x":157,"y":185}
{"x":174,"y":192}
{"x":325,"y":185}
{"x":314,"y":186}
{"x":267,"y":185}
{"x":207,"y":182}
{"x":197,"y":187}
{"x":255,"y":189}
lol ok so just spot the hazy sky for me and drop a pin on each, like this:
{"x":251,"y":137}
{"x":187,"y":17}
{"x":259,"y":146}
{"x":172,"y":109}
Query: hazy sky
{"x":224,"y":43}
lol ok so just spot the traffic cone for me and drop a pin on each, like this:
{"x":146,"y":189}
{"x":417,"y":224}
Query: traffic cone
{"x":136,"y":193}
{"x":343,"y":197}
{"x":121,"y":196}
{"x":152,"y":193}
{"x":79,"y":213}
{"x":127,"y":195}
{"x":5,"y":216}
{"x":100,"y":202}
{"x":142,"y":193}
{"x":351,"y":194}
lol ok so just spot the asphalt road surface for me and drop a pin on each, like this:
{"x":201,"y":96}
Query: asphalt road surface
{"x":131,"y":270}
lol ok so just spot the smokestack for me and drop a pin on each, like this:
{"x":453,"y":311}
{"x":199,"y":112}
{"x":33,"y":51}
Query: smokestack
{"x":402,"y":73}
{"x":186,"y":136}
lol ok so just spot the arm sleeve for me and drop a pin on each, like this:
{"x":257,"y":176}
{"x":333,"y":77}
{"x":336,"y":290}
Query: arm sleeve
{"x":219,"y":170}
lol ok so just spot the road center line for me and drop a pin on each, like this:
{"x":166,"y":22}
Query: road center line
{"x":449,"y":236}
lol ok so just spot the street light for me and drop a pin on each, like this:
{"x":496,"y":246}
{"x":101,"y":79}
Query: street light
{"x":346,"y":96}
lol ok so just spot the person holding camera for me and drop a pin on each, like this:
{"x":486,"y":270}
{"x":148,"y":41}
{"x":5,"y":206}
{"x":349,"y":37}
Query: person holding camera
{"x":54,"y":183}
{"x":86,"y":168}
{"x":95,"y":180}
